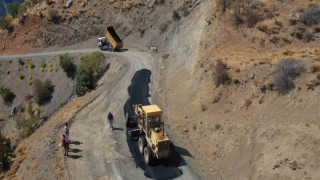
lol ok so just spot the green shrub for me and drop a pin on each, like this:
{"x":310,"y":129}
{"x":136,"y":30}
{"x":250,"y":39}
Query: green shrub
{"x":20,"y":61}
{"x":42,"y":69}
{"x":30,"y":63}
{"x":94,"y":61}
{"x":24,"y":6}
{"x":5,"y":24}
{"x":84,"y":80}
{"x":30,"y":82}
{"x":42,"y":91}
{"x":29,"y":107}
{"x":21,"y":76}
{"x":7,"y":95}
{"x":13,"y":8}
{"x":6,"y":152}
{"x":43,"y":64}
{"x":67,"y":64}
{"x":30,"y":77}
{"x":54,"y":16}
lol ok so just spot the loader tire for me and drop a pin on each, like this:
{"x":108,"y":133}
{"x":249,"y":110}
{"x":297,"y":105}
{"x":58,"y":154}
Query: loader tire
{"x":147,"y":155}
{"x":142,"y":144}
{"x":127,"y":120}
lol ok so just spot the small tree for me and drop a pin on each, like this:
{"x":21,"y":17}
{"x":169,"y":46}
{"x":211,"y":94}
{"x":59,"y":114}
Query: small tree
{"x":5,"y":24}
{"x":13,"y":8}
{"x":84,"y":80}
{"x":67,"y":64}
{"x":286,"y":71}
{"x":94,"y":61}
{"x":221,"y":74}
{"x":6,"y":153}
{"x":54,"y":16}
{"x":7,"y":95}
{"x":42,"y":91}
{"x":20,"y":61}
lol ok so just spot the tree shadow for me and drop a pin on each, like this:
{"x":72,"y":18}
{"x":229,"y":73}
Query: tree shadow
{"x":161,"y":169}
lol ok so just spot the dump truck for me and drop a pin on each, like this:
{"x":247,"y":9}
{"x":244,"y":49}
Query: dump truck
{"x":153,"y":142}
{"x":111,"y":41}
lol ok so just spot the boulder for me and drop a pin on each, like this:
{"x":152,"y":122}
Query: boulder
{"x":83,"y":4}
{"x":69,"y":4}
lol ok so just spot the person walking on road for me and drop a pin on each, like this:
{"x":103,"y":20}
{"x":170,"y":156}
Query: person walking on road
{"x":64,"y":145}
{"x":110,"y":118}
{"x":66,"y":130}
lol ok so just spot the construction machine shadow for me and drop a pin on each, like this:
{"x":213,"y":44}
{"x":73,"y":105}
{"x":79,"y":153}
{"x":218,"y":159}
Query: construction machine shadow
{"x":148,"y":138}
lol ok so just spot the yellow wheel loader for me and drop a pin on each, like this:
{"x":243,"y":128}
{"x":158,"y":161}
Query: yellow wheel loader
{"x":153,"y":142}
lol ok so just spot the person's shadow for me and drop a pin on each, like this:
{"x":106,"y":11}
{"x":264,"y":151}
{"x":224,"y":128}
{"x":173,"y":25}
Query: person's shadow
{"x":74,"y":151}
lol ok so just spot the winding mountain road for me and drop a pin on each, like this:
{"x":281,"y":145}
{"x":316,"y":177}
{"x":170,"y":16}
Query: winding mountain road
{"x":97,"y":152}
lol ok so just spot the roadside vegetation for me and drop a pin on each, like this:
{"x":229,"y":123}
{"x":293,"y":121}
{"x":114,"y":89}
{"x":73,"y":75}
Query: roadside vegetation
{"x":88,"y":71}
{"x":84,"y":80}
{"x":6,"y":153}
{"x":30,"y":63}
{"x":6,"y":95}
{"x":67,"y":64}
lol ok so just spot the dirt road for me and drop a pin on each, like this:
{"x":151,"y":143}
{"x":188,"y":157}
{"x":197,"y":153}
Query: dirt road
{"x":97,"y":152}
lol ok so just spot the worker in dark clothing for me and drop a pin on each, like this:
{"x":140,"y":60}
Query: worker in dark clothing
{"x":110,"y":119}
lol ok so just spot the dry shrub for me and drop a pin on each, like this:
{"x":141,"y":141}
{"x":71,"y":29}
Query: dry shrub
{"x":221,"y":74}
{"x":307,"y":36}
{"x":310,"y":16}
{"x":315,"y":67}
{"x":252,"y":18}
{"x":42,"y":91}
{"x":286,"y":71}
{"x":318,"y":75}
{"x":224,"y":4}
{"x":54,"y":16}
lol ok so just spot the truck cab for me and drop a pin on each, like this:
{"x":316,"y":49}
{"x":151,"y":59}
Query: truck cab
{"x":103,"y":43}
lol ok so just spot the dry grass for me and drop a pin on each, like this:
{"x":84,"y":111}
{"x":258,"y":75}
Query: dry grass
{"x":315,"y":67}
{"x":34,"y":165}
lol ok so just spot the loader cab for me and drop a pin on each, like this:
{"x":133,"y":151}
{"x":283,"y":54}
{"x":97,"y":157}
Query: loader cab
{"x":152,"y":121}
